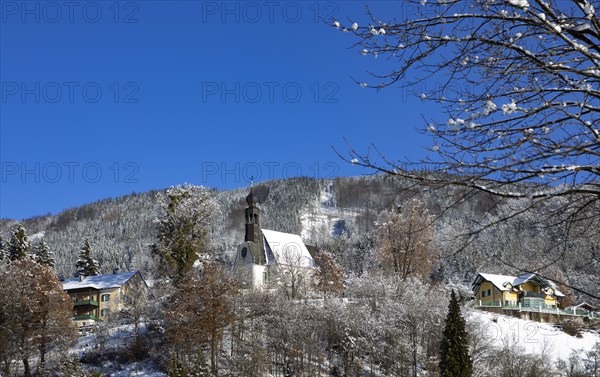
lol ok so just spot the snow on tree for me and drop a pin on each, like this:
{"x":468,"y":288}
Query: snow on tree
{"x":42,"y":254}
{"x":454,"y":349}
{"x":519,"y":82}
{"x":200,"y":310}
{"x":86,"y":265}
{"x":3,"y":252}
{"x":35,"y":315}
{"x":406,"y":240}
{"x":18,"y":245}
{"x":518,"y":88}
{"x":182,"y":230}
{"x":329,"y":275}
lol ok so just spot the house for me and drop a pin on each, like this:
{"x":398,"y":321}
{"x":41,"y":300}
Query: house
{"x":98,"y":297}
{"x":528,"y":290}
{"x":267,"y":257}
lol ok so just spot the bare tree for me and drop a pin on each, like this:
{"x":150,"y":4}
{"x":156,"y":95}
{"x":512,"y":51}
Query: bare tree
{"x":329,"y":275}
{"x":35,"y":314}
{"x":519,"y":84}
{"x":406,"y":241}
{"x":200,"y":310}
{"x":293,"y":271}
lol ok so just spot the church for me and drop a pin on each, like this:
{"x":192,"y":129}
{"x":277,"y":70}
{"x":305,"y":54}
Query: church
{"x":268,"y":258}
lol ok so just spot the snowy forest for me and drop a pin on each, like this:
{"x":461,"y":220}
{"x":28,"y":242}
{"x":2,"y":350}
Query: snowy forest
{"x":370,"y":312}
{"x":511,"y":187}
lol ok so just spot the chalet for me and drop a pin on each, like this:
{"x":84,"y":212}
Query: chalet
{"x":98,"y":297}
{"x":529,"y":291}
{"x":267,"y":256}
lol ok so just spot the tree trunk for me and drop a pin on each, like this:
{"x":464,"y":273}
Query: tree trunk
{"x":42,"y":349}
{"x":213,"y":353}
{"x":27,"y":372}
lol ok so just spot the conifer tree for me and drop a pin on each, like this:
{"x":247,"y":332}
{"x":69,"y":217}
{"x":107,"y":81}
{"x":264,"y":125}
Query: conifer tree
{"x":86,"y":265}
{"x":18,"y":246}
{"x":454,"y":348}
{"x":42,"y":255}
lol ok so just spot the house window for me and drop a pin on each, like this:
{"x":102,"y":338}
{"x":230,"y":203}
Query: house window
{"x":105,"y":312}
{"x":106,"y":297}
{"x":486,"y":293}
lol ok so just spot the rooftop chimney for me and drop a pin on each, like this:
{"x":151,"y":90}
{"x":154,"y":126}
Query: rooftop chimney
{"x":115,"y":270}
{"x":81,"y":277}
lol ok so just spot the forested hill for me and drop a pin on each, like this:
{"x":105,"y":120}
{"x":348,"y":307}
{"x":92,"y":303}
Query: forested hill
{"x":339,"y":215}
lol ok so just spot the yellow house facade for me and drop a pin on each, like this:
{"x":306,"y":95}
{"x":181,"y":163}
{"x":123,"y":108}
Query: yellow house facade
{"x":528,"y":290}
{"x":98,"y":297}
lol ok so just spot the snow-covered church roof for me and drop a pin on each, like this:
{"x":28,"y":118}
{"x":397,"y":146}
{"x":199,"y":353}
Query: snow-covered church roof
{"x":286,"y":249}
{"x":105,"y":281}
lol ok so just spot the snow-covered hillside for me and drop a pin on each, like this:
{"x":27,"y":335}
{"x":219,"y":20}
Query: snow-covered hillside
{"x":542,"y":341}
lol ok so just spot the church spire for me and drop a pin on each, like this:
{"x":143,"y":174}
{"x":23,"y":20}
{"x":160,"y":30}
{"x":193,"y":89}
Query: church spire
{"x":252,"y":219}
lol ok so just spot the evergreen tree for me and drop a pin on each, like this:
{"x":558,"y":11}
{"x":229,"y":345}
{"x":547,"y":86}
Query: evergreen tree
{"x":18,"y":246}
{"x":454,"y":348}
{"x":199,"y":366}
{"x":182,"y":231}
{"x":42,"y":255}
{"x":86,"y":265}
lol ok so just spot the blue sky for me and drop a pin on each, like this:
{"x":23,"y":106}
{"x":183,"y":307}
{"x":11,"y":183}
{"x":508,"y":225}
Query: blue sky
{"x":101,"y":99}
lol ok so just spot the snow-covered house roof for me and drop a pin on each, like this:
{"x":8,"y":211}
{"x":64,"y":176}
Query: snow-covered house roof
{"x":286,"y":248}
{"x":506,"y":282}
{"x":105,"y":281}
{"x":499,"y":281}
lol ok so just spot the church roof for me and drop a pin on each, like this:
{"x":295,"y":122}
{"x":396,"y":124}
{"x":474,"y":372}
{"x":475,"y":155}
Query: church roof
{"x":287,"y":249}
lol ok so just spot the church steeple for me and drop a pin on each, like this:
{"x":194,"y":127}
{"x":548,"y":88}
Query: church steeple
{"x":252,"y":219}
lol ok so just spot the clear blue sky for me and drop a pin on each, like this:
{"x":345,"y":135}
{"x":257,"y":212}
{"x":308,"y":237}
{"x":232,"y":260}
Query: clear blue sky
{"x":101,"y":99}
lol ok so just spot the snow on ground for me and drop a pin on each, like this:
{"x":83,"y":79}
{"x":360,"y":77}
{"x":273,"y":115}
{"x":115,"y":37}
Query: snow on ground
{"x":327,"y":218}
{"x":534,"y":337}
{"x":116,"y":337}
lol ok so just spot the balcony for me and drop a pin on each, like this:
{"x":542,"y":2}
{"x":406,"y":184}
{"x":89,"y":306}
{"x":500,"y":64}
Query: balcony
{"x":77,"y":303}
{"x":528,"y":294}
{"x":83,"y":317}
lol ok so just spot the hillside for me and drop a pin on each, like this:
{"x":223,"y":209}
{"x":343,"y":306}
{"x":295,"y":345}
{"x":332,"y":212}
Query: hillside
{"x":334,"y":214}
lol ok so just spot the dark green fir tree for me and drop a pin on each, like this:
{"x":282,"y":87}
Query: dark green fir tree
{"x":454,"y":348}
{"x":42,"y":254}
{"x":86,"y":265}
{"x":18,"y":246}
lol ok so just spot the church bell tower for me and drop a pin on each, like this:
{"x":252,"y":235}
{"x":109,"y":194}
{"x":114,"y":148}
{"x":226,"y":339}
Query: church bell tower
{"x":252,"y":224}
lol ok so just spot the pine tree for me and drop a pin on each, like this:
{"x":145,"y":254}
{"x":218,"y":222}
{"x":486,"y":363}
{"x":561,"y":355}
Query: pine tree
{"x":454,"y":348}
{"x":199,"y":366}
{"x":18,"y":246}
{"x":177,"y":369}
{"x":42,"y":255}
{"x":86,"y":265}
